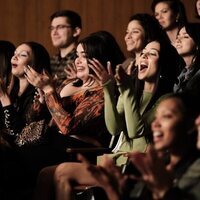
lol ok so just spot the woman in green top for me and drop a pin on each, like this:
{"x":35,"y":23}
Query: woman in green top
{"x":139,"y":94}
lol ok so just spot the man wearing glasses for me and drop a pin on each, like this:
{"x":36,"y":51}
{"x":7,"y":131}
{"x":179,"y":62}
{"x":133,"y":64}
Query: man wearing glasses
{"x":65,"y":30}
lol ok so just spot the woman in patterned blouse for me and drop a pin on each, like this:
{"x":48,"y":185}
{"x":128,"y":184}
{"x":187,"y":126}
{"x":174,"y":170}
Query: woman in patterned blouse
{"x":78,"y":110}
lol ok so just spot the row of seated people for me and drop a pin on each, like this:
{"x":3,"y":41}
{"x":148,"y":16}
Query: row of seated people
{"x":142,"y":84}
{"x":147,"y":80}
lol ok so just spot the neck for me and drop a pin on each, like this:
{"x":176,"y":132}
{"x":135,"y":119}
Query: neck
{"x":178,"y":153}
{"x":172,"y":34}
{"x":23,"y":84}
{"x":89,"y":83}
{"x":188,"y":59}
{"x":137,"y":55}
{"x":67,"y":50}
{"x":149,"y":86}
{"x":174,"y":159}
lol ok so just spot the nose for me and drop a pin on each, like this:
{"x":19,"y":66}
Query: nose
{"x":77,"y":61}
{"x":14,"y":57}
{"x":128,"y":35}
{"x":144,"y":54}
{"x":54,"y":31}
{"x":155,"y":125}
{"x":178,"y":40}
{"x":158,"y":16}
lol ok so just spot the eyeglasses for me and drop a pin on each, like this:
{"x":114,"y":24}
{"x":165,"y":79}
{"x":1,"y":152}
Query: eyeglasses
{"x":59,"y":27}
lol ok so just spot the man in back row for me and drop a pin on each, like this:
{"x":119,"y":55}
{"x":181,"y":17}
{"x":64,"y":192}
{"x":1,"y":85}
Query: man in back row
{"x":65,"y":30}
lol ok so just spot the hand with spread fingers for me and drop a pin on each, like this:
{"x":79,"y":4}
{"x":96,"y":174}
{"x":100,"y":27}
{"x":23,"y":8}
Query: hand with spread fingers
{"x":70,"y":70}
{"x":42,"y":81}
{"x":122,"y":76}
{"x":108,"y":176}
{"x":101,"y":74}
{"x":152,"y":168}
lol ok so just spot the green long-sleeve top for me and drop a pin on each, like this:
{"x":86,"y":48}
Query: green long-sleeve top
{"x":128,"y":118}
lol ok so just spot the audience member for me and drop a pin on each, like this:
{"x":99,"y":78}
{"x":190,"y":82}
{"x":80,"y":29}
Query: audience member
{"x":25,"y":119}
{"x":82,"y":108}
{"x":188,"y":46}
{"x":6,"y":52}
{"x":140,"y":30}
{"x":170,"y":169}
{"x":65,"y":30}
{"x":25,"y":115}
{"x":197,"y":8}
{"x":171,"y":15}
{"x":174,"y":133}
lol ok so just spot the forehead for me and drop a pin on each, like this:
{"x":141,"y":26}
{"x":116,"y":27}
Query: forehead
{"x":162,"y":5}
{"x":172,"y":104}
{"x":182,"y":30}
{"x":24,"y":47}
{"x":59,"y":20}
{"x":135,"y":24}
{"x":80,"y":48}
{"x":153,"y":45}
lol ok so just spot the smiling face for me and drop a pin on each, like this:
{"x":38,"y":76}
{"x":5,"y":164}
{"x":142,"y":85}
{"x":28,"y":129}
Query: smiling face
{"x":184,"y":44}
{"x":148,"y":62}
{"x":198,"y":7}
{"x":167,"y":124}
{"x":134,"y":37}
{"x":165,"y":15}
{"x":61,"y":32}
{"x":22,"y":57}
{"x":81,"y":64}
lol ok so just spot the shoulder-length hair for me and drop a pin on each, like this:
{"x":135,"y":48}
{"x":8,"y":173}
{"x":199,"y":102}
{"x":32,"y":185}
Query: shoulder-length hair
{"x":169,"y":66}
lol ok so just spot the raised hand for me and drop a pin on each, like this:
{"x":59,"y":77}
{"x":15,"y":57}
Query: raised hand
{"x":42,"y":81}
{"x":121,"y":76}
{"x":152,"y":168}
{"x":108,"y":176}
{"x":101,"y":74}
{"x":130,"y":68}
{"x":70,"y":71}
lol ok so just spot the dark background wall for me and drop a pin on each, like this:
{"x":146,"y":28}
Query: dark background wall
{"x":22,"y":20}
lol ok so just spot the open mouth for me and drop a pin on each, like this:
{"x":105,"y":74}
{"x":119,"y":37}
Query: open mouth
{"x":143,"y":67}
{"x":14,"y":65}
{"x":157,"y":136}
{"x":80,"y":69}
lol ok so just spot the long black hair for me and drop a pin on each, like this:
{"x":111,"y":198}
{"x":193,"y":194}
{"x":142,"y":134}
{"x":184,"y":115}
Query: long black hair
{"x":6,"y":52}
{"x":177,"y":7}
{"x":102,"y":46}
{"x":40,"y":61}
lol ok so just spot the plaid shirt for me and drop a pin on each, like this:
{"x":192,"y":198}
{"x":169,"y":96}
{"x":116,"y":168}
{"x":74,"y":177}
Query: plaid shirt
{"x":58,"y":65}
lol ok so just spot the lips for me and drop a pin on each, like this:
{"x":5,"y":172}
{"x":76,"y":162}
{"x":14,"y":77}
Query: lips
{"x":157,"y":136}
{"x":14,"y":65}
{"x":178,"y":46}
{"x":143,"y":66}
{"x":80,"y":69}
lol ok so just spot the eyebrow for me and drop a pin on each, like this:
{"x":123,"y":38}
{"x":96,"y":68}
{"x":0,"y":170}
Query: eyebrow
{"x":153,"y":49}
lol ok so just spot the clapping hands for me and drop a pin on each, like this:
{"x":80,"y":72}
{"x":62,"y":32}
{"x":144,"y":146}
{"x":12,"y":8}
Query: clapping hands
{"x":42,"y":81}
